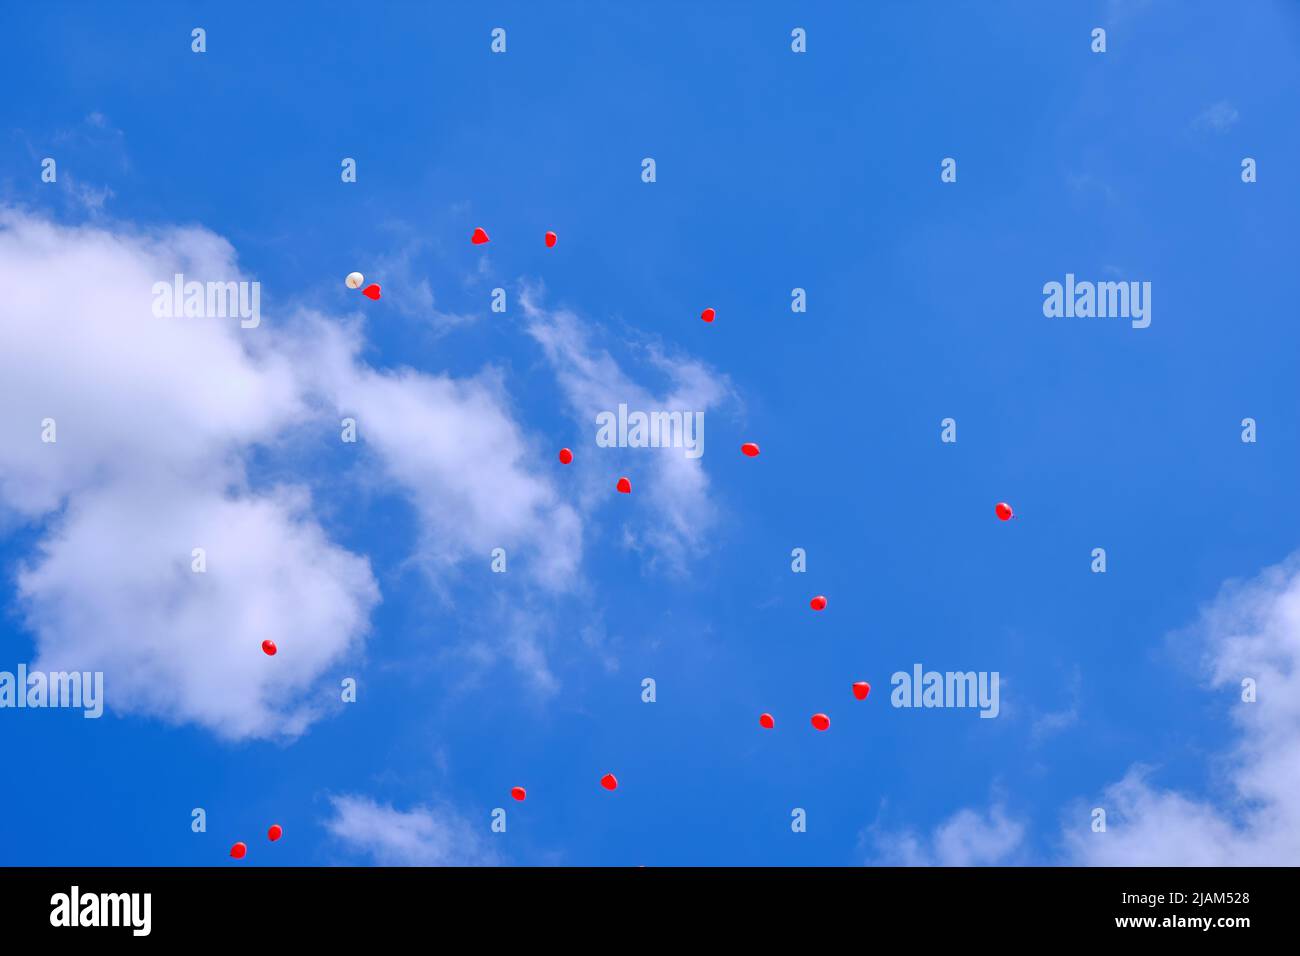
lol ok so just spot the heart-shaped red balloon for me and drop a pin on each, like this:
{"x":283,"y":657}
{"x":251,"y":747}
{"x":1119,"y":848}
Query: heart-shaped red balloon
{"x":609,"y":782}
{"x":238,"y":851}
{"x":625,"y":486}
{"x":518,"y":793}
{"x":269,"y":648}
{"x":566,"y":456}
{"x":766,"y":722}
{"x":821,"y":721}
{"x":371,"y":291}
{"x":818,"y":603}
{"x":480,"y":236}
{"x":750,"y":449}
{"x":708,"y":315}
{"x":550,"y":240}
{"x":861,"y":689}
{"x":274,"y":833}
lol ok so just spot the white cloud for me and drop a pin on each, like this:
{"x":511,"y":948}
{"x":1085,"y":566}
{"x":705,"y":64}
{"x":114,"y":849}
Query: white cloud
{"x":113,"y":590}
{"x":153,"y":419}
{"x":1251,"y":630}
{"x":465,"y":464}
{"x":1252,"y":815}
{"x":156,"y":419}
{"x":423,"y":836}
{"x":967,"y":838}
{"x":133,"y":395}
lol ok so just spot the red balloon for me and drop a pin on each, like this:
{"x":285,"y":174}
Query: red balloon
{"x":1004,"y":511}
{"x":518,"y":793}
{"x":609,"y":782}
{"x":274,"y":833}
{"x":238,"y":851}
{"x":269,"y":648}
{"x":566,"y":456}
{"x":821,"y":721}
{"x":708,"y":315}
{"x":480,"y":236}
{"x":371,"y":291}
{"x":750,"y":449}
{"x":818,"y":603}
{"x":550,"y":240}
{"x":861,"y":689}
{"x":625,"y":486}
{"x":766,"y":722}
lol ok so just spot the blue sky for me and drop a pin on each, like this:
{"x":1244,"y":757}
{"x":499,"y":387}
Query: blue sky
{"x":775,"y":170}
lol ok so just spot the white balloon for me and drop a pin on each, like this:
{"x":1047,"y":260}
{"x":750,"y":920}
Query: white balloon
{"x":354,"y":280}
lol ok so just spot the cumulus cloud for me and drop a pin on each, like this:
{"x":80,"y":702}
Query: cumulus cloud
{"x":454,"y":449}
{"x":152,"y":419}
{"x":422,"y":836}
{"x":673,"y":490}
{"x":132,"y":395}
{"x":156,"y":420}
{"x":112,"y":590}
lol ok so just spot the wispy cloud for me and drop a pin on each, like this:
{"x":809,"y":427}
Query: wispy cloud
{"x":1217,"y":118}
{"x":678,"y":513}
{"x":421,"y":836}
{"x":409,"y":290}
{"x":1047,"y":724}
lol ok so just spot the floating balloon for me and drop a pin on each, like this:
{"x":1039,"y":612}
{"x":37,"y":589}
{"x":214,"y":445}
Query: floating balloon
{"x":518,"y":793}
{"x":480,"y":236}
{"x":550,"y":240}
{"x":750,"y":449}
{"x":861,"y":689}
{"x":609,"y":782}
{"x":269,"y":648}
{"x":708,"y":315}
{"x":1004,"y":511}
{"x":354,"y":280}
{"x":818,"y":603}
{"x":821,"y":721}
{"x":766,"y":722}
{"x":566,"y":456}
{"x":274,"y":833}
{"x":238,"y":851}
{"x":625,"y":486}
{"x":371,"y":291}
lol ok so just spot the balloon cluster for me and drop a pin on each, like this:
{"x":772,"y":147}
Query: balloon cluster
{"x":819,"y":721}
